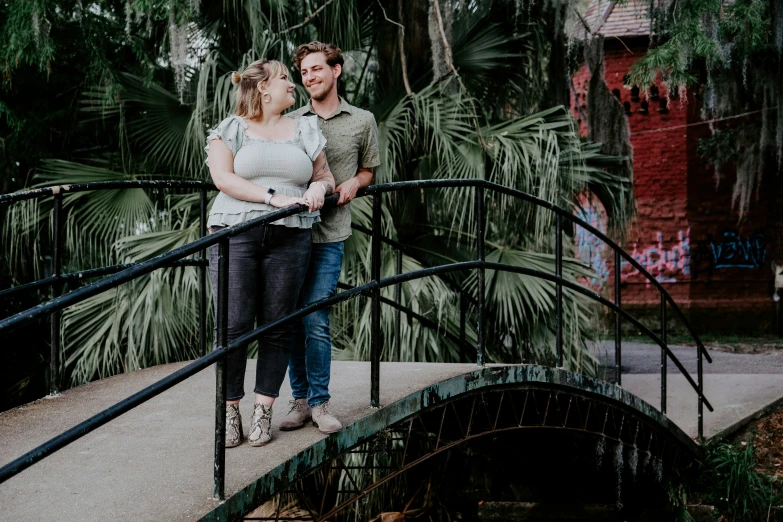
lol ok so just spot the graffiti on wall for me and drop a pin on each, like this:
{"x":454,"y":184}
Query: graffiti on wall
{"x":667,"y":265}
{"x":589,"y":249}
{"x":730,"y":250}
{"x":734,"y":252}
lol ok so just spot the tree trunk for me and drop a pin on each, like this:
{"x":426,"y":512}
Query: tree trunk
{"x":440,"y":30}
{"x":416,"y":44}
{"x":607,"y":122}
{"x":558,"y":73}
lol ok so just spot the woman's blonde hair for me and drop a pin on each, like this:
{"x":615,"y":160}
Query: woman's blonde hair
{"x":249,"y":100}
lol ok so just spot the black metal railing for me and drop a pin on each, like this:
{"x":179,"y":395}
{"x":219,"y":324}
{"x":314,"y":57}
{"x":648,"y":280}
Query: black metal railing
{"x":58,"y":279}
{"x":120,"y":274}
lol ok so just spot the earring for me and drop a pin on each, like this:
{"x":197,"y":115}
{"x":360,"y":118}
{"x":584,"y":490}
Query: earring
{"x":266,"y":97}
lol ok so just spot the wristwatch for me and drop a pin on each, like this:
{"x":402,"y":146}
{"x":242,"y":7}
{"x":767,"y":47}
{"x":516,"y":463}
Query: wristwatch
{"x":269,"y":194}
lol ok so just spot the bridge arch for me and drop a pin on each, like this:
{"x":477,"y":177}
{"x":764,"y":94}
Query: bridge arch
{"x":496,"y":399}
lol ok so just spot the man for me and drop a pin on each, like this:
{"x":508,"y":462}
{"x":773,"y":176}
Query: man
{"x":352,"y":153}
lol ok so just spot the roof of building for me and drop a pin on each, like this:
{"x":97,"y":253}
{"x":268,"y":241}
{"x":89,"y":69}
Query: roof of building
{"x":610,"y":19}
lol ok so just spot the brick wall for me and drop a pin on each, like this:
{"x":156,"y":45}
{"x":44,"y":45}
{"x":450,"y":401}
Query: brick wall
{"x":686,"y":233}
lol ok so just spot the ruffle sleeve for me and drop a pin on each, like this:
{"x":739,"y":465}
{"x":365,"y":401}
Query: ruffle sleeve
{"x":312,"y":137}
{"x":231,"y":131}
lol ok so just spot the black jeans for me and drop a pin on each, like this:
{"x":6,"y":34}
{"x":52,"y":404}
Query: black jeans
{"x":266,"y":269}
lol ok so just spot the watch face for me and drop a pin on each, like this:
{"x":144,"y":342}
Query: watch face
{"x":271,"y":191}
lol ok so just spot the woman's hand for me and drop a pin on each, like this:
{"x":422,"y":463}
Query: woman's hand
{"x":281,"y":201}
{"x":314,"y":197}
{"x":321,"y":183}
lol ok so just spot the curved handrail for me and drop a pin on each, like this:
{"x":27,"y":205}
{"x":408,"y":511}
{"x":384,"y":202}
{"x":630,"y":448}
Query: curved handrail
{"x":256,"y":334}
{"x":388,"y":187}
{"x":71,"y":188}
{"x":380,"y":188}
{"x":94,"y":422}
{"x":409,"y":312}
{"x":372,"y":288}
{"x":89,"y":274}
{"x":143,"y":267}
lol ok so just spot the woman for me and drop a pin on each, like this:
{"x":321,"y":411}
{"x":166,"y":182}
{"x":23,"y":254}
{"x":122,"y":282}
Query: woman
{"x":261,"y":161}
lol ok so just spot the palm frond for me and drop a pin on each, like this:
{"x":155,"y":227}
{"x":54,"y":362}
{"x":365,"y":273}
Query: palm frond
{"x":430,"y":297}
{"x":134,"y":327}
{"x":94,"y":220}
{"x":470,"y":126}
{"x":523,"y":306}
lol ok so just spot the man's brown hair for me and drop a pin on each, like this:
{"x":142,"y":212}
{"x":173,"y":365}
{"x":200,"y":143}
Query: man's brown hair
{"x":334,"y":55}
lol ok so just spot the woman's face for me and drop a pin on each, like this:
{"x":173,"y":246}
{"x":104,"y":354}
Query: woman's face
{"x":281,"y":91}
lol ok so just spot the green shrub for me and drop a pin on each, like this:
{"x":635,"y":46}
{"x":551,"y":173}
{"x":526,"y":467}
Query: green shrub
{"x":733,"y":485}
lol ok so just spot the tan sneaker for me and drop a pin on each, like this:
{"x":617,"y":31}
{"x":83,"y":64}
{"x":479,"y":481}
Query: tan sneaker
{"x":297,"y":415}
{"x":325,"y":421}
{"x":260,"y":425}
{"x":233,"y":426}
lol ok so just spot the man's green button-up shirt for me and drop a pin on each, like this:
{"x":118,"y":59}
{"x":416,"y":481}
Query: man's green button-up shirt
{"x":351,"y":143}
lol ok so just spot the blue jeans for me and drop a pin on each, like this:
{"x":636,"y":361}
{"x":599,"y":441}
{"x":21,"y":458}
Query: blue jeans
{"x":311,"y":350}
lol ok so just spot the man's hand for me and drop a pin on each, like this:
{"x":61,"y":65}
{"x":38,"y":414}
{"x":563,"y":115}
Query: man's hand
{"x":348,"y":190}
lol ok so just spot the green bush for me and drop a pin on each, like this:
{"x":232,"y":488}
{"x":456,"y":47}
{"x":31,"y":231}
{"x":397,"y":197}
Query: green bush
{"x":728,"y":474}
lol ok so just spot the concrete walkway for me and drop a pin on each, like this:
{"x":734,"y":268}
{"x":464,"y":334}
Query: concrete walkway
{"x":155,"y":462}
{"x":738,"y":385}
{"x":645,"y":358}
{"x":734,"y":397}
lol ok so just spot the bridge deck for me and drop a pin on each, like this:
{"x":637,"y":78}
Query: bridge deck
{"x":155,"y":462}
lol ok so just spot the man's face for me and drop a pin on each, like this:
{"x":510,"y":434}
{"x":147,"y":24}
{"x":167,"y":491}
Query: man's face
{"x":318,"y":77}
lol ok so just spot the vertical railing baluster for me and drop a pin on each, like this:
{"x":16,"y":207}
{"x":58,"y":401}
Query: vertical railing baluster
{"x":221,"y":321}
{"x":559,"y":295}
{"x":57,"y":265}
{"x":375,"y":342}
{"x":463,"y":316}
{"x":202,"y":277}
{"x":618,"y":336}
{"x":779,"y":305}
{"x":700,"y":376}
{"x":480,"y":224}
{"x":398,"y":300}
{"x":664,"y":359}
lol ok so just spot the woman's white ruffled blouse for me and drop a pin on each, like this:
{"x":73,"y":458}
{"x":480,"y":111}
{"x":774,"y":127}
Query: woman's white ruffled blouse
{"x":286,"y":166}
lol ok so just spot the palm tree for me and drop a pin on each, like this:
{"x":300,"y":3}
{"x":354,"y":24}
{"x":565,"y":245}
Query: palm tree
{"x":471,"y":115}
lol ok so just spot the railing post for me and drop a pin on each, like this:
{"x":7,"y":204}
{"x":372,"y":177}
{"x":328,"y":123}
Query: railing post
{"x":559,"y":295}
{"x":221,"y":321}
{"x":463,"y":315}
{"x":700,"y":382}
{"x":779,"y":306}
{"x":57,"y":264}
{"x":202,"y":277}
{"x":618,"y":336}
{"x":398,"y":300}
{"x":480,"y":224}
{"x":664,"y":359}
{"x":375,"y":342}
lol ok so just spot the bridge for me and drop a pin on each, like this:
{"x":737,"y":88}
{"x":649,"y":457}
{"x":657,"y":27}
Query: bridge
{"x":150,"y":445}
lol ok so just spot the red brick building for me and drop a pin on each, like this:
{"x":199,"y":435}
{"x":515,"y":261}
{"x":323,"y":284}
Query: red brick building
{"x":686,"y":231}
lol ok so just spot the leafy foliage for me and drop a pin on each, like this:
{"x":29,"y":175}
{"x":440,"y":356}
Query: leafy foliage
{"x":728,"y":473}
{"x":158,"y":78}
{"x":733,"y":49}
